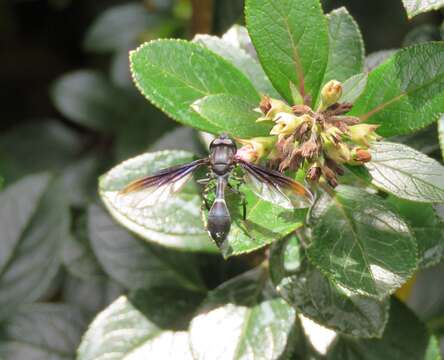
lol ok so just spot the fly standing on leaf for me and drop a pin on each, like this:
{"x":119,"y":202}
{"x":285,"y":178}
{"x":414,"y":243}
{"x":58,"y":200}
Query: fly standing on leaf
{"x":268,"y":184}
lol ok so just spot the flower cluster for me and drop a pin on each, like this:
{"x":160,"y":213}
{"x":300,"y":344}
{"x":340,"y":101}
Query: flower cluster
{"x":318,"y":141}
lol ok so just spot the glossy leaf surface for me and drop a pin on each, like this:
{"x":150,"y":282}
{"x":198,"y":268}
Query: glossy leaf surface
{"x":361,"y":244}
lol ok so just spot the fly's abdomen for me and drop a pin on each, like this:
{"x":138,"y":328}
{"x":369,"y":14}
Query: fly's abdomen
{"x":219,"y":221}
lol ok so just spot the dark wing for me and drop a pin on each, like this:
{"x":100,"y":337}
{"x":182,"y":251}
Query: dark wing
{"x":272,"y":186}
{"x":156,"y":188}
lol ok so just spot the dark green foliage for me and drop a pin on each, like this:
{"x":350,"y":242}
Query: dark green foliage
{"x":86,"y":276}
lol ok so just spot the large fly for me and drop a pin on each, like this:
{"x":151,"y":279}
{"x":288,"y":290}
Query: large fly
{"x":268,"y":184}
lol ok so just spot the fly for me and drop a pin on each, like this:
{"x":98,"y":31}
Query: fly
{"x":268,"y":184}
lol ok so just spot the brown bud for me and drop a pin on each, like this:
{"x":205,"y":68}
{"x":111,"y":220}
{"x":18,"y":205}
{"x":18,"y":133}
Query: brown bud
{"x":295,"y":159}
{"x":309,"y":149}
{"x":330,"y":176}
{"x":314,"y":173}
{"x":362,"y":155}
{"x":334,"y":166}
{"x":265,"y":104}
{"x":301,"y":109}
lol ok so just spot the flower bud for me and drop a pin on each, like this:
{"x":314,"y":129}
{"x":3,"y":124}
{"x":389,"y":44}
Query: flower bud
{"x":337,"y":152}
{"x":314,"y":173}
{"x":363,"y":134}
{"x":310,"y":149}
{"x":286,"y":124}
{"x":330,"y":94}
{"x":330,"y":176}
{"x":333,"y":134}
{"x":256,"y":148}
{"x":271,"y":107}
{"x":360,"y":156}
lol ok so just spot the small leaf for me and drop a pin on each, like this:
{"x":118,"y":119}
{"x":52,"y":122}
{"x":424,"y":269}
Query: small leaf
{"x":265,"y":223}
{"x":413,"y":95}
{"x":291,"y":39}
{"x":42,"y":331}
{"x":175,"y":223}
{"x":88,"y":98}
{"x":406,"y":173}
{"x":137,"y":264}
{"x":146,"y":324}
{"x":409,"y":344}
{"x":77,"y":254}
{"x":34,"y":222}
{"x":233,"y":115}
{"x":353,"y":88}
{"x":118,"y":28}
{"x":346,"y":56}
{"x":245,"y":320}
{"x":173,"y":74}
{"x":361,"y":244}
{"x":239,"y":58}
{"x":428,"y":229}
{"x":318,"y":298}
{"x":441,"y":134}
{"x":415,"y":7}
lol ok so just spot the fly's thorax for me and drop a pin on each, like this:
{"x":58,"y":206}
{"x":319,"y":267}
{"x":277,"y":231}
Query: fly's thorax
{"x":222,"y":152}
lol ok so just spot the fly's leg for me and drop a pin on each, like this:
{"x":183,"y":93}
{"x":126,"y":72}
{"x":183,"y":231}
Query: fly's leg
{"x":236,"y":189}
{"x":206,"y":191}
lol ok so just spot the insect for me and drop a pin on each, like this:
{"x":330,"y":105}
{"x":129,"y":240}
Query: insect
{"x":268,"y":184}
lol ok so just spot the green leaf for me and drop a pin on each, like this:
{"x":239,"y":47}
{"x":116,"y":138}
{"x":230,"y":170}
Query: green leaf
{"x":415,"y":7}
{"x":291,"y":39}
{"x":346,"y":57}
{"x":135,"y":263}
{"x":304,"y":287}
{"x":56,"y":146}
{"x":91,"y":296}
{"x":245,"y":319}
{"x":146,"y":324}
{"x":413,"y":91}
{"x":173,"y":74}
{"x":234,"y":115}
{"x":119,"y":27}
{"x":175,"y":223}
{"x":89,"y":99}
{"x":77,"y":254}
{"x":265,"y":223}
{"x":410,"y":343}
{"x":353,"y":88}
{"x":361,"y":244}
{"x":427,"y":227}
{"x":406,"y":173}
{"x":441,"y":134}
{"x":80,"y":177}
{"x":242,"y":60}
{"x":34,"y":222}
{"x":41,"y":332}
{"x":433,"y":351}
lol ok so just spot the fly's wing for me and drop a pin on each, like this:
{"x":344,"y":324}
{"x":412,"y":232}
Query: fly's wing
{"x":274,"y":187}
{"x":157,"y":188}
